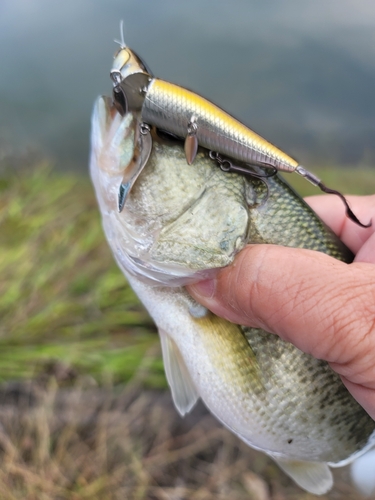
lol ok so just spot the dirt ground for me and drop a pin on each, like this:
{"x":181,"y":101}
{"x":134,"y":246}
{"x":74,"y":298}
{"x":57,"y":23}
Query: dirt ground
{"x":85,"y":441}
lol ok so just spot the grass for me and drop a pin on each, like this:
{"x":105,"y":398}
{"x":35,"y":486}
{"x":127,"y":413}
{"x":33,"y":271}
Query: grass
{"x":83,"y":408}
{"x":62,"y":296}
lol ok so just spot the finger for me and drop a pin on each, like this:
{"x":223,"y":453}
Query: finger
{"x":367,"y":251}
{"x":331,"y":209}
{"x":323,"y":306}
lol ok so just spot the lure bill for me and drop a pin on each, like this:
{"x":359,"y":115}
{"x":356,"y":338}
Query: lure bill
{"x":197,"y":121}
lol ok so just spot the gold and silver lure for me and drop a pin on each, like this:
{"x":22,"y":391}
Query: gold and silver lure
{"x":184,"y":114}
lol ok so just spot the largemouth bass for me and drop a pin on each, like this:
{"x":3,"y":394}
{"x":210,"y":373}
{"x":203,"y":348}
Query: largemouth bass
{"x":181,"y":223}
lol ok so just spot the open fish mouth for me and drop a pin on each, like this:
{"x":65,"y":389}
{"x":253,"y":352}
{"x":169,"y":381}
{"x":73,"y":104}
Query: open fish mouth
{"x":152,"y":238}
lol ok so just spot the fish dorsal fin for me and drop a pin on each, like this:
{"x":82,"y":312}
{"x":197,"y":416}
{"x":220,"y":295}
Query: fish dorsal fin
{"x":184,"y":393}
{"x":314,"y":477}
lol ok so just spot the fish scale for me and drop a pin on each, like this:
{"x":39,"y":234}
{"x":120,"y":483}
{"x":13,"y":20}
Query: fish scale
{"x":286,"y":220}
{"x":288,"y":360}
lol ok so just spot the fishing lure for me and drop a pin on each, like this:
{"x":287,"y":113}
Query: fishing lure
{"x":199,"y":122}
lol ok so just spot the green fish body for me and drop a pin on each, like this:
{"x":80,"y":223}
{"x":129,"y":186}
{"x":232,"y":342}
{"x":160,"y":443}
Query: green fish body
{"x":179,"y":224}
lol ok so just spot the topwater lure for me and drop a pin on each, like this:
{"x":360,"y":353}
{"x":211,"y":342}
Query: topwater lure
{"x":188,"y":116}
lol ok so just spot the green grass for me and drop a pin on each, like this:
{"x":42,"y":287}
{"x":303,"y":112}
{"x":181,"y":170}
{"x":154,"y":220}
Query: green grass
{"x":62,"y":296}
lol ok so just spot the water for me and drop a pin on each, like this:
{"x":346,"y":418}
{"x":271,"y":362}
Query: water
{"x":302,"y":75}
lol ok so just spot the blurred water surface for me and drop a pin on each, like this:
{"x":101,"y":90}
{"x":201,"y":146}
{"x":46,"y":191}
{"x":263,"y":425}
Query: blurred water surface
{"x":301,"y":74}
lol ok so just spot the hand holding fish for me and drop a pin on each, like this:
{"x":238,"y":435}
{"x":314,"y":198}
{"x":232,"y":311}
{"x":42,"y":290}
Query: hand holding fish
{"x":323,"y":306}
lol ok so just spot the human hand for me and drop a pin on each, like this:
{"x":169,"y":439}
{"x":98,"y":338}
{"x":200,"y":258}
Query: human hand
{"x":323,"y":306}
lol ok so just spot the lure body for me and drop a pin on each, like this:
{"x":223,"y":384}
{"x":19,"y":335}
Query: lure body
{"x":183,"y":113}
{"x":173,"y":108}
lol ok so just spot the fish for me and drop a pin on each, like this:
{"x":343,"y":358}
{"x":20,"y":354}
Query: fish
{"x":180,"y":225}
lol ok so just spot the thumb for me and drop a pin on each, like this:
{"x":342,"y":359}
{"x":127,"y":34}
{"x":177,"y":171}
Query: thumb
{"x":323,"y":306}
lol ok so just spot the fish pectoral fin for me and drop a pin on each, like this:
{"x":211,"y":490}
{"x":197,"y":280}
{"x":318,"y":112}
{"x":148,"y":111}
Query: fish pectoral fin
{"x":184,"y":393}
{"x":314,"y":477}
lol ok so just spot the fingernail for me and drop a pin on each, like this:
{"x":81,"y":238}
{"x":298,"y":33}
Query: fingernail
{"x":205,"y":288}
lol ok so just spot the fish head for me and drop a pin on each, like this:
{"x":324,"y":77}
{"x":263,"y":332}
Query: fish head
{"x":130,"y":77}
{"x":170,"y":231}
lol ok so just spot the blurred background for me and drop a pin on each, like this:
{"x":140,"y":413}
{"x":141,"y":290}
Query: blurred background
{"x":300,"y":74}
{"x":84,"y":407}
